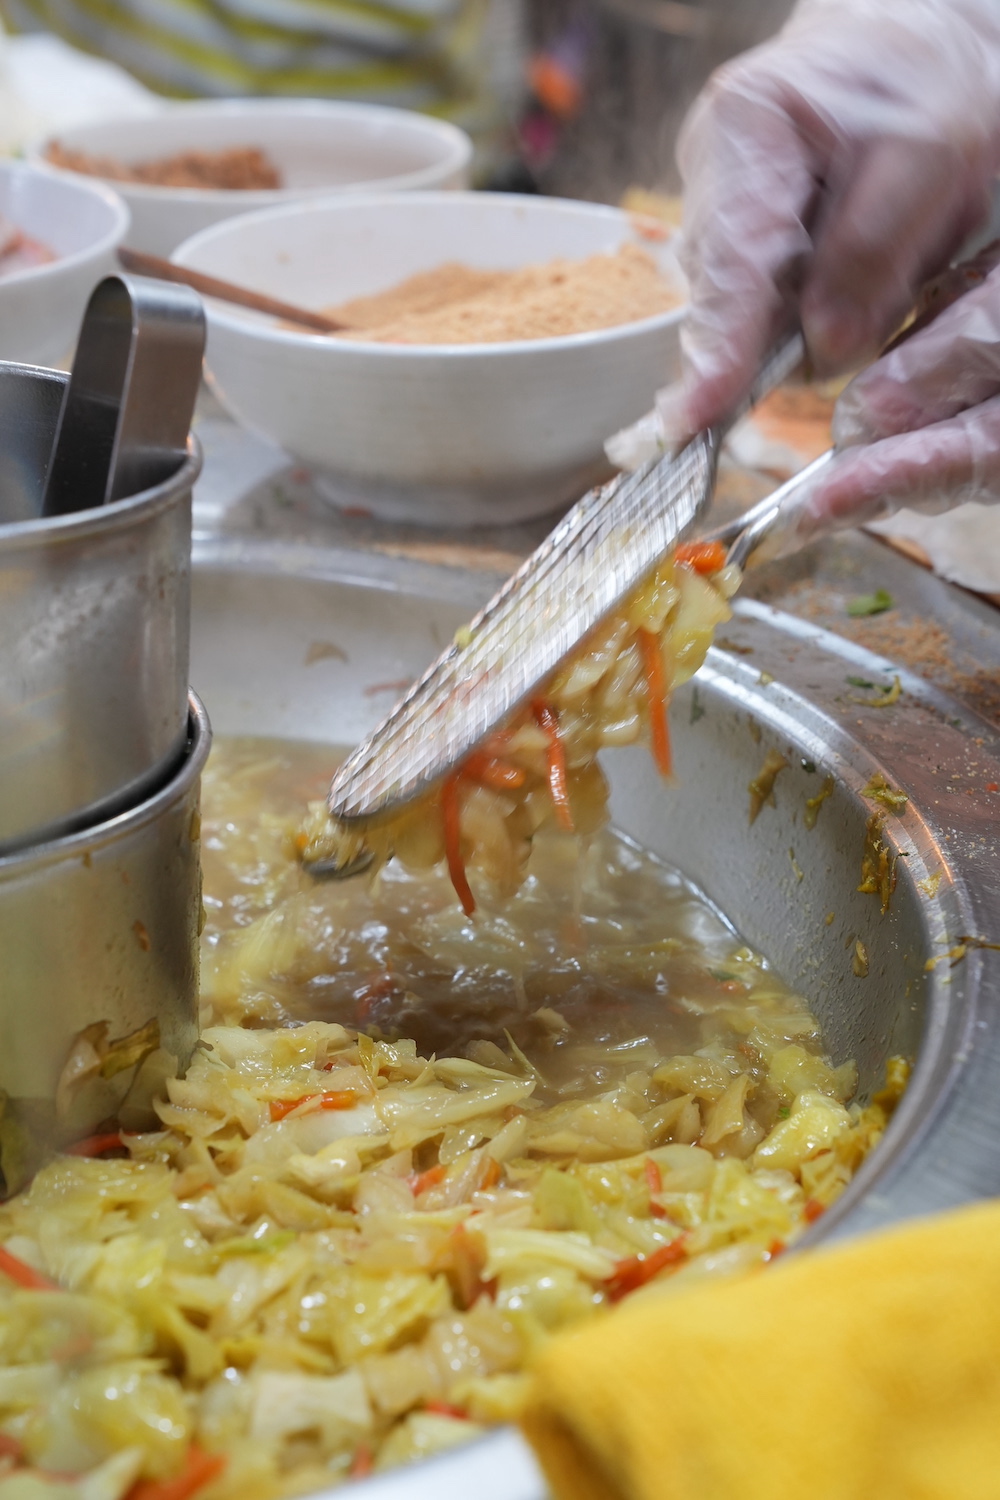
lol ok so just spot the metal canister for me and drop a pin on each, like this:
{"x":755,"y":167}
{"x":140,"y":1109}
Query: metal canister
{"x":99,"y":968}
{"x":94,"y":632}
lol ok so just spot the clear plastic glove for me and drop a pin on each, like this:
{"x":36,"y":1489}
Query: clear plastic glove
{"x":928,"y":415}
{"x":828,"y":174}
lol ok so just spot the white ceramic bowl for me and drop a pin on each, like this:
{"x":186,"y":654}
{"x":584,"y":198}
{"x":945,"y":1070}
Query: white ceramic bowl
{"x":83,"y":222}
{"x":319,"y":146}
{"x":460,"y":434}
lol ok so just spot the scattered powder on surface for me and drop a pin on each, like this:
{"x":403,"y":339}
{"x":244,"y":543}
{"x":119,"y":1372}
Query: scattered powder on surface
{"x":238,"y":169}
{"x":455,"y":304}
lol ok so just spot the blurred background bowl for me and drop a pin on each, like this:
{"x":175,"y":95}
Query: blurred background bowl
{"x":82,"y":222}
{"x":441,"y":434}
{"x":319,"y":147}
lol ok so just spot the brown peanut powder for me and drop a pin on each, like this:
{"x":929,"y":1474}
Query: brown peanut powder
{"x":455,"y":304}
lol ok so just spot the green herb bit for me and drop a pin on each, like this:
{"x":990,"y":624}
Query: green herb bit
{"x":761,"y":789}
{"x":813,"y":804}
{"x":890,"y":694}
{"x":697,"y":707}
{"x":879,"y":790}
{"x":861,"y":682}
{"x":878,"y":864}
{"x":871,"y":604}
{"x":860,"y":963}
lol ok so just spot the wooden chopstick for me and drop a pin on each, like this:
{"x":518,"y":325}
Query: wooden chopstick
{"x":226,"y":291}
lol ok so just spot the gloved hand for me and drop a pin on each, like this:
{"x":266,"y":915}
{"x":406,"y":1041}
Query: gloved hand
{"x":929,"y":413}
{"x":828,"y":174}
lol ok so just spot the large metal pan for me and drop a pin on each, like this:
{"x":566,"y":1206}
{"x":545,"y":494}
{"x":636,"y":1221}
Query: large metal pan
{"x":291,"y":640}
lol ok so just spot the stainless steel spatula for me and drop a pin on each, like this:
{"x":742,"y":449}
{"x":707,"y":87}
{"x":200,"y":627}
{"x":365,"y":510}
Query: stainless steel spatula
{"x":602,"y":549}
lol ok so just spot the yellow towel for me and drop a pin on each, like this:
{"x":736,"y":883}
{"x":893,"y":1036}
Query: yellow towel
{"x":869,"y":1371}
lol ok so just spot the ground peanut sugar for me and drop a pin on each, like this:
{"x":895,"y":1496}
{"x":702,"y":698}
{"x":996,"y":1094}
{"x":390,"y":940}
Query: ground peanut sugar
{"x":455,"y":304}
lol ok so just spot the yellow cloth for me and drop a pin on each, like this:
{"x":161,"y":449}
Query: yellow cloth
{"x":869,"y":1371}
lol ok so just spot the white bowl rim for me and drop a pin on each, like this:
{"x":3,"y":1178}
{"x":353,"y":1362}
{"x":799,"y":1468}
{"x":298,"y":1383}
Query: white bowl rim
{"x":357,"y":202}
{"x":98,"y":188}
{"x":453,"y":136}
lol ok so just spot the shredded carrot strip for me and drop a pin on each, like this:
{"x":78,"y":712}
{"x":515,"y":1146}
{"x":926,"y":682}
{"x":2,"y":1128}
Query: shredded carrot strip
{"x":94,"y":1145}
{"x":11,"y":1447}
{"x":199,"y":1468}
{"x":25,"y":1275}
{"x":491,"y":1176}
{"x":703,"y":557}
{"x":636,"y":1270}
{"x":363,"y":1462}
{"x":654,"y":1177}
{"x":493,"y":771}
{"x":421,"y":1181}
{"x":446,"y":1409}
{"x":814,"y":1210}
{"x":450,"y":813}
{"x":656,"y":697}
{"x":336,"y":1099}
{"x":548,"y":721}
{"x":776,"y":1248}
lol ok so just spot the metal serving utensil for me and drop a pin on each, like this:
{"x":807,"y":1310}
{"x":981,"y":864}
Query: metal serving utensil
{"x":128,"y":406}
{"x":601,"y":550}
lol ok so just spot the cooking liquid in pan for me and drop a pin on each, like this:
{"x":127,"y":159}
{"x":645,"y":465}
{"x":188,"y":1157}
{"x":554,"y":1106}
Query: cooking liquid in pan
{"x":427,"y":1144}
{"x":606,"y":936}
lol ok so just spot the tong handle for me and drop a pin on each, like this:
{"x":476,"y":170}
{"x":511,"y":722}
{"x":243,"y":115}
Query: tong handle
{"x":128,"y":405}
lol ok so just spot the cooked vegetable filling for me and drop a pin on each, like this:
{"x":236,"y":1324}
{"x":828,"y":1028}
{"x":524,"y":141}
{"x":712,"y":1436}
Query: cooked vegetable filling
{"x":542,"y":769}
{"x":412,"y":1148}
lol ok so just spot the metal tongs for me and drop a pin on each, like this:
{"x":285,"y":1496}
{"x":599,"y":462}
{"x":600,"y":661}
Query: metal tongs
{"x":599,"y":553}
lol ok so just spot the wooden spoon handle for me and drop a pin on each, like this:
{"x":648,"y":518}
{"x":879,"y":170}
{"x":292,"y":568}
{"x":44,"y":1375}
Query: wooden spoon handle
{"x":211,"y":286}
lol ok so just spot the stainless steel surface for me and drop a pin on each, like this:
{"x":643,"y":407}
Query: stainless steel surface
{"x":263,"y":610}
{"x":101,"y":927}
{"x":128,"y":406}
{"x":94,"y":626}
{"x":601,"y":550}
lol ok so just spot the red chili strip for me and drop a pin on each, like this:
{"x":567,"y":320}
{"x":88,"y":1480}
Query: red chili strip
{"x":656,"y":698}
{"x":636,"y":1270}
{"x":703,"y":557}
{"x":24,"y":1275}
{"x":451,"y":815}
{"x":548,"y":721}
{"x":654,"y":1177}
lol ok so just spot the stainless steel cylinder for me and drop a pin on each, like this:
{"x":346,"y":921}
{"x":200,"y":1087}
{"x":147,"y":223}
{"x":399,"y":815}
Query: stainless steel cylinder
{"x":94,"y":632}
{"x":99,"y":966}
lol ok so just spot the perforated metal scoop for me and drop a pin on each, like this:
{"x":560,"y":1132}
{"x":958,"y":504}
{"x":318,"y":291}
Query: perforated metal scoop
{"x":602,"y":550}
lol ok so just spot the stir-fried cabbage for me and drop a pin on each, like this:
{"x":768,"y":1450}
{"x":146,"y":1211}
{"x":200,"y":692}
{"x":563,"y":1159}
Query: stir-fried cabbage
{"x":542,"y":768}
{"x":338,"y":1252}
{"x":413,"y":1147}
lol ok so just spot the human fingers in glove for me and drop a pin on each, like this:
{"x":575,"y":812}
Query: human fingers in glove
{"x":827,"y":175}
{"x":921,"y":426}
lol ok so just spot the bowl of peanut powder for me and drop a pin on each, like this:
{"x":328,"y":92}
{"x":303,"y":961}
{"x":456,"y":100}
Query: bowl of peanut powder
{"x":490,"y":344}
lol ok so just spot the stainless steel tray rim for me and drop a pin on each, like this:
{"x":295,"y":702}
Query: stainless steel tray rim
{"x":952,"y":1003}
